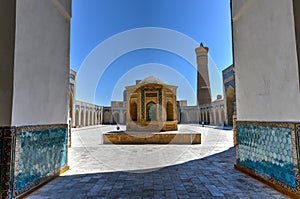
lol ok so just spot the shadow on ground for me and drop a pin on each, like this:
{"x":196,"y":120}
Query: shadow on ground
{"x":209,"y":177}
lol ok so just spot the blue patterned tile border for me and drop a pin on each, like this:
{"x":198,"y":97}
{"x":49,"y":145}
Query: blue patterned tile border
{"x":6,"y":157}
{"x":269,"y":151}
{"x":40,"y":154}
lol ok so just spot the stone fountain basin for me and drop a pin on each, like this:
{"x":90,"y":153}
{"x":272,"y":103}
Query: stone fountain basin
{"x":125,"y":137}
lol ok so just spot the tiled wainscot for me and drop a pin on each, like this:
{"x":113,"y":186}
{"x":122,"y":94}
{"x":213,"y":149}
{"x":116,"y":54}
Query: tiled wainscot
{"x":38,"y":153}
{"x":269,"y":151}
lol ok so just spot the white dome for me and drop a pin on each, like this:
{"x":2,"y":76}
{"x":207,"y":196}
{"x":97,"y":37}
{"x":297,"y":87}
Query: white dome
{"x":151,"y":80}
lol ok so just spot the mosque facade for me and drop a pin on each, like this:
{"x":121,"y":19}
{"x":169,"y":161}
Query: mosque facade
{"x":151,"y":106}
{"x":218,"y":112}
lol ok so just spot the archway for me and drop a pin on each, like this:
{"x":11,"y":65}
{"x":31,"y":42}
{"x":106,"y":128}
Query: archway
{"x":133,"y":111}
{"x":230,"y":104}
{"x":107,"y":117}
{"x":170,"y":112}
{"x":151,"y":111}
{"x":77,"y":118}
{"x":82,"y":119}
{"x":222,"y":116}
{"x":217,"y":116}
{"x":87,"y":118}
{"x":100,"y":118}
{"x":196,"y":116}
{"x":208,"y":117}
{"x":71,"y":109}
{"x":91,"y":118}
{"x":95,"y":118}
{"x":203,"y":117}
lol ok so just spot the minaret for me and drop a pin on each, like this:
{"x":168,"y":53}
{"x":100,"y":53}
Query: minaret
{"x":203,"y":85}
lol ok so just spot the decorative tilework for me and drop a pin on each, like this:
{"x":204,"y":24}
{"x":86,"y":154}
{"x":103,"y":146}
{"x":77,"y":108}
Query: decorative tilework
{"x":228,"y":74}
{"x":29,"y":156}
{"x":6,"y":156}
{"x":297,"y":140}
{"x":40,"y":154}
{"x":159,"y":100}
{"x":230,"y":83}
{"x":269,"y":151}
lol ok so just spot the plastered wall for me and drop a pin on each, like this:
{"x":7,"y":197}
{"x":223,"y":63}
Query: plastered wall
{"x":265,"y":58}
{"x":41,"y":63}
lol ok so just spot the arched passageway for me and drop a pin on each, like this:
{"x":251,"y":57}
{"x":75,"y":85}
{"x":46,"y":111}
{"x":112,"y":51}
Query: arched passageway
{"x":91,"y":118}
{"x":170,"y":112}
{"x":208,"y":117}
{"x":222,"y":116}
{"x":217,"y":116}
{"x":107,"y":117}
{"x":100,"y":118}
{"x":151,"y":111}
{"x":87,"y":119}
{"x":133,"y":111}
{"x":71,"y":109}
{"x":96,"y":118}
{"x":82,"y":118}
{"x":77,"y":118}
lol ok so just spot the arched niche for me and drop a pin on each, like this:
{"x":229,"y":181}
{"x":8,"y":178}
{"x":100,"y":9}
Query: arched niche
{"x":151,"y":111}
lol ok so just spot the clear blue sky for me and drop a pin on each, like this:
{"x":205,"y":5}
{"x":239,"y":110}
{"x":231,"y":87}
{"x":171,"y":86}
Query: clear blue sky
{"x":96,"y":21}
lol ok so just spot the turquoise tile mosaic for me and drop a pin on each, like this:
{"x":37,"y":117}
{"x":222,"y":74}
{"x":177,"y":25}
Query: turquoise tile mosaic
{"x":267,"y":150}
{"x":40,"y":154}
{"x":6,"y":146}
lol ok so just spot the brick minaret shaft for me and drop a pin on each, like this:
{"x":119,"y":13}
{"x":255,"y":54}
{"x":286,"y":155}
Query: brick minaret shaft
{"x":203,"y":84}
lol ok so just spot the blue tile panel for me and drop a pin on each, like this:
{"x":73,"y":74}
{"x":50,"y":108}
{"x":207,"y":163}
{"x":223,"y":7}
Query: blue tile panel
{"x":6,"y":146}
{"x":267,"y":150}
{"x":39,"y":154}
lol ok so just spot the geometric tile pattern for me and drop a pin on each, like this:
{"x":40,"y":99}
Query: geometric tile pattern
{"x":269,"y":149}
{"x":6,"y":151}
{"x":159,"y":101}
{"x":41,"y":153}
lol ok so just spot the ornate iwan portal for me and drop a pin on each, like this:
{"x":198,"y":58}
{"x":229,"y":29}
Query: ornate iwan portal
{"x":151,"y":106}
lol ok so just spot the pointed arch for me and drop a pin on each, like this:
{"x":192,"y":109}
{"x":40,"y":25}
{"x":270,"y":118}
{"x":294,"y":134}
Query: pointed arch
{"x":82,"y":118}
{"x":86,"y":118}
{"x":91,"y":118}
{"x":170,"y":111}
{"x":107,"y":117}
{"x":151,"y":111}
{"x":133,"y":111}
{"x":77,"y":118}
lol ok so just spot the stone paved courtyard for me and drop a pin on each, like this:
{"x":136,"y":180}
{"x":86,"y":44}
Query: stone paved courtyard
{"x":153,"y":171}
